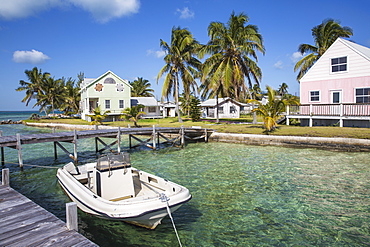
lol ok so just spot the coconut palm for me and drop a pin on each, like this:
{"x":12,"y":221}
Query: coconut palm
{"x":133,"y":114}
{"x":51,"y":96}
{"x":283,"y":89}
{"x":273,"y":108}
{"x":180,"y":64}
{"x":33,"y":87}
{"x":72,"y":95}
{"x":141,"y":88}
{"x":324,"y":36}
{"x":98,"y":116}
{"x":233,"y":55}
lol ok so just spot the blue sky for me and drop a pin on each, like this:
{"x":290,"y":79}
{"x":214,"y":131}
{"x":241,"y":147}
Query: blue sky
{"x":66,"y":37}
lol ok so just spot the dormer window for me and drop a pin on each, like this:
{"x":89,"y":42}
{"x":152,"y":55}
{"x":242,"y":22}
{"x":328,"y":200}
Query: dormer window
{"x":338,"y":64}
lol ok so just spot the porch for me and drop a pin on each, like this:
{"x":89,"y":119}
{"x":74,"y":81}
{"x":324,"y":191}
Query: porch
{"x":343,"y":114}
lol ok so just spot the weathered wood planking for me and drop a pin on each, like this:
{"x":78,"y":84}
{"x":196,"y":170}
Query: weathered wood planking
{"x":24,"y":223}
{"x":11,"y":141}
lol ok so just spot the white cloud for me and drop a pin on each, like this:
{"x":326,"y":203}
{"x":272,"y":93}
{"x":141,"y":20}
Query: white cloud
{"x":296,"y":56}
{"x":32,"y":57}
{"x":102,"y":10}
{"x":278,"y":65}
{"x":185,"y":13}
{"x":158,"y":54}
{"x":13,"y":9}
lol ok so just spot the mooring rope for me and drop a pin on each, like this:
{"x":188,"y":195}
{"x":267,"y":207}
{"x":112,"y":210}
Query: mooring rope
{"x":165,"y":199}
{"x":51,"y":167}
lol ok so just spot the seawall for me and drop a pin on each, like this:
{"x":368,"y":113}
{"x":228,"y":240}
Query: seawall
{"x":343,"y":144}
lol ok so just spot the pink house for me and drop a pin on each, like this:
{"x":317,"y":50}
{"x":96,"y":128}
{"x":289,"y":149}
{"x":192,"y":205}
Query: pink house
{"x":336,"y":90}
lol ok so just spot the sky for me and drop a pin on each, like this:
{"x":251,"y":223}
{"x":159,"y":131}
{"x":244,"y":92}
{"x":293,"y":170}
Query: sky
{"x":66,"y":37}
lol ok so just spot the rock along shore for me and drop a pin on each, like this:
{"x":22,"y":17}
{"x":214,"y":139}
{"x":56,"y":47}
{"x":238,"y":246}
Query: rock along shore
{"x":342,"y":144}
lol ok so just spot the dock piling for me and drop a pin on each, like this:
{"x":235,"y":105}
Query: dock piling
{"x":19,"y":148}
{"x":71,"y":216}
{"x":5,"y":177}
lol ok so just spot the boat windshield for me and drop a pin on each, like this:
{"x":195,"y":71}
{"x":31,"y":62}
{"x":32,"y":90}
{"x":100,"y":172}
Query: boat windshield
{"x":113,"y":161}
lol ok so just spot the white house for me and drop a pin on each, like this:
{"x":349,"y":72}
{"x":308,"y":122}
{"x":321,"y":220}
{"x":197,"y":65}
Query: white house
{"x":168,"y":109}
{"x":336,"y":89}
{"x":227,"y":108}
{"x":151,"y":106}
{"x":108,"y":91}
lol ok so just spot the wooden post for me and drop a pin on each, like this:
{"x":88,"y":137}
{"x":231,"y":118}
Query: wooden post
{"x":19,"y":148}
{"x":182,"y":144}
{"x":129,"y":141}
{"x":96,"y":145}
{"x":154,"y":139}
{"x":55,"y":151}
{"x":2,"y":152}
{"x":5,"y":177}
{"x":71,"y":216}
{"x":119,"y":140}
{"x":286,"y":115}
{"x":205,"y":135}
{"x":75,"y":145}
{"x":53,"y":130}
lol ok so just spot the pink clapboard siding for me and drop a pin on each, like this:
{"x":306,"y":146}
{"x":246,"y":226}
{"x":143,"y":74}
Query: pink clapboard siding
{"x":347,"y":86}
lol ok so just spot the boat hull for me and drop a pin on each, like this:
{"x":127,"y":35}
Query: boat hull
{"x":145,"y":212}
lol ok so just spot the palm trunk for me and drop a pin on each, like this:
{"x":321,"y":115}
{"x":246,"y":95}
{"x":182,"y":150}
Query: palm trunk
{"x":177,"y":99}
{"x":217,"y":118}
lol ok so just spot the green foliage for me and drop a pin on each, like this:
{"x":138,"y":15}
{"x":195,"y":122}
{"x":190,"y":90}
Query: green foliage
{"x":273,"y":108}
{"x":50,"y":93}
{"x":233,"y":54}
{"x":141,"y":88}
{"x":324,"y":36}
{"x":133,"y":114}
{"x":180,"y":64}
{"x":98,"y":116}
{"x":195,"y":111}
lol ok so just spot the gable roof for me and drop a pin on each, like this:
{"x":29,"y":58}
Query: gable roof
{"x":362,"y":50}
{"x":359,"y":49}
{"x":212,"y":102}
{"x":87,"y":82}
{"x":146,"y":101}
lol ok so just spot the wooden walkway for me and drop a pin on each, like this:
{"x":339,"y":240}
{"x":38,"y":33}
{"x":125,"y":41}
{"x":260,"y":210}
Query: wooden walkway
{"x":24,"y":223}
{"x":155,"y":133}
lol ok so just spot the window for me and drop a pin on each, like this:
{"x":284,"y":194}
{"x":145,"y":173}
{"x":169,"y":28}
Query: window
{"x":152,"y":109}
{"x":232,"y":109}
{"x":221,"y":109}
{"x":121,"y":103}
{"x":315,"y":96}
{"x":107,"y":104}
{"x":362,"y":95}
{"x":338,"y":64}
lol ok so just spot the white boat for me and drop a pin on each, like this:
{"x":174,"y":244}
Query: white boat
{"x":110,"y":188}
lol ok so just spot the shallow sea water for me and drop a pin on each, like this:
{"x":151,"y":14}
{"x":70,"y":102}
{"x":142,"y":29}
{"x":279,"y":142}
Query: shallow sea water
{"x":242,"y":195}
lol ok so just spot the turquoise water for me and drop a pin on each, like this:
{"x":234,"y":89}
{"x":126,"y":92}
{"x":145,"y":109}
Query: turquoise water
{"x":242,"y":195}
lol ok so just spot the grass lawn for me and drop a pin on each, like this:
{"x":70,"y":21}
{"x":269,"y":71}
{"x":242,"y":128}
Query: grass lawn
{"x":227,"y":126}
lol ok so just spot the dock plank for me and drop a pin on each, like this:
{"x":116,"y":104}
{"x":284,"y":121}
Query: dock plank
{"x":24,"y":223}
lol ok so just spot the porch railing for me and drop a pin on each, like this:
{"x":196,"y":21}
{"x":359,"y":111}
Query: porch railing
{"x":347,"y":109}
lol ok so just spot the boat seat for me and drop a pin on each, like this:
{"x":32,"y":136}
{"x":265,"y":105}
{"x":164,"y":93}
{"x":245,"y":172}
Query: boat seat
{"x":71,"y":168}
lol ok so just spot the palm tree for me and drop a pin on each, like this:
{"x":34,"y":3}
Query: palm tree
{"x":141,"y":88}
{"x":72,"y":95}
{"x":283,"y":89}
{"x":273,"y":108}
{"x":133,"y":114}
{"x":233,"y":55}
{"x":324,"y":36}
{"x":98,"y":116}
{"x":180,"y":64}
{"x":33,"y":87}
{"x":51,"y":96}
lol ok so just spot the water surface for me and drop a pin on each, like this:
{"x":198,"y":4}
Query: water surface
{"x":242,"y":195}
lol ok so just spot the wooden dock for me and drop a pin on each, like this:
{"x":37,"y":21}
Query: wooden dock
{"x":24,"y":223}
{"x":155,"y":133}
